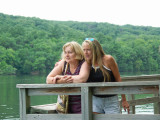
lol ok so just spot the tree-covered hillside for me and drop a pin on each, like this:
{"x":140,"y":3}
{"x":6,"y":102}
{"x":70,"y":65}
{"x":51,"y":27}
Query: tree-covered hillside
{"x":29,"y":45}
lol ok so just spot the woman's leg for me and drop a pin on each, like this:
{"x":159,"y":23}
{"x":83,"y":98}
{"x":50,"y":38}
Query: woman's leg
{"x":97,"y":105}
{"x":111,"y":105}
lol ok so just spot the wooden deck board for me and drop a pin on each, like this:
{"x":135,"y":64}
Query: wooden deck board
{"x":44,"y":109}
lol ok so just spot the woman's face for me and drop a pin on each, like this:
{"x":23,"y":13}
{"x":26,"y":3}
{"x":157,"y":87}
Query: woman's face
{"x":87,"y":51}
{"x":69,"y":54}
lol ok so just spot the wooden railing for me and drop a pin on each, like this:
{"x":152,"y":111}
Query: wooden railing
{"x":131,"y":97}
{"x":154,"y":77}
{"x":86,"y":90}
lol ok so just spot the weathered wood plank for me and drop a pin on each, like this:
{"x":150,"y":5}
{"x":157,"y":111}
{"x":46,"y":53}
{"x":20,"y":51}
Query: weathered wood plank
{"x":132,"y":108}
{"x":21,"y":103}
{"x":95,"y":117}
{"x":54,"y":117}
{"x":157,"y":105}
{"x":86,"y":98}
{"x":159,"y":102}
{"x":144,"y":101}
{"x":97,"y":90}
{"x":141,"y":78}
{"x":126,"y":90}
{"x":96,"y":84}
{"x":54,"y":91}
{"x":44,"y":109}
{"x":24,"y":103}
{"x":27,"y":102}
{"x":125,"y":117}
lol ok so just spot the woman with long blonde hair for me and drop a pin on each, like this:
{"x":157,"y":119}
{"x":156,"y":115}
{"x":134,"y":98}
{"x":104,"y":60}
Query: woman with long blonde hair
{"x":103,"y":69}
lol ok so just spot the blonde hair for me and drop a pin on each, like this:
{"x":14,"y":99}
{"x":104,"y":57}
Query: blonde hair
{"x":91,"y":46}
{"x":97,"y":56}
{"x":76,"y":47}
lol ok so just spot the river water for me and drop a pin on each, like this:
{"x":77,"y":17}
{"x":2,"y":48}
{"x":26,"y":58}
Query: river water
{"x":9,"y":95}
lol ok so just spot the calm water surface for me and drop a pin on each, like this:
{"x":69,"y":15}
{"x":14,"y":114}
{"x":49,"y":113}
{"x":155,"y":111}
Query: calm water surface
{"x":9,"y":95}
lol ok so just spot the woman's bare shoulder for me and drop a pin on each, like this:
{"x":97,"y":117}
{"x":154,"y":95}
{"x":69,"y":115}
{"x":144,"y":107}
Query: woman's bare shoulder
{"x":108,"y":58}
{"x":108,"y":61}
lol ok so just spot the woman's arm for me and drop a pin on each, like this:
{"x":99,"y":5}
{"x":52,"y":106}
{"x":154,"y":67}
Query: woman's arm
{"x":111,"y":63}
{"x":114,"y":68}
{"x":54,"y":75}
{"x":81,"y":78}
{"x":83,"y":75}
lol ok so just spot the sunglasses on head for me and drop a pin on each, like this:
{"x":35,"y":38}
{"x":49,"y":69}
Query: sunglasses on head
{"x":91,"y":39}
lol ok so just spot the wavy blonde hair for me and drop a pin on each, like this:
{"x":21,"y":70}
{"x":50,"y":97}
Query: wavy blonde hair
{"x":76,"y":47}
{"x":97,"y":56}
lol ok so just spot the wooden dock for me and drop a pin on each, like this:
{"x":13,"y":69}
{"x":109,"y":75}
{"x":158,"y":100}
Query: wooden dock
{"x":135,"y":85}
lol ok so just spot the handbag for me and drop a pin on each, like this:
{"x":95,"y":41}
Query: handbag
{"x":62,"y":101}
{"x":62,"y":104}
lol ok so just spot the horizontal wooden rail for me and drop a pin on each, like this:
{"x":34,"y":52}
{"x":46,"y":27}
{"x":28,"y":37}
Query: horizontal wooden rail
{"x":144,"y":101}
{"x":95,"y":84}
{"x":95,"y":117}
{"x":154,"y":77}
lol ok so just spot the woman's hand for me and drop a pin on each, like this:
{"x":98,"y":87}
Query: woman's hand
{"x":65,"y":79}
{"x":55,"y":79}
{"x":57,"y":63}
{"x":125,"y":105}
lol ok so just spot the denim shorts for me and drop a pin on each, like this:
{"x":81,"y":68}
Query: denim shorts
{"x":107,"y":105}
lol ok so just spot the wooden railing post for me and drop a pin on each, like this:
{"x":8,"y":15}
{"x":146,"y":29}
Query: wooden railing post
{"x":157,"y":105}
{"x":24,"y":103}
{"x":132,"y":108}
{"x":86,"y":103}
{"x":159,"y":101}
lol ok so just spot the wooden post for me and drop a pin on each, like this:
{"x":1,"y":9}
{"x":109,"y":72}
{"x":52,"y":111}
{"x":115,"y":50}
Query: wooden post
{"x":24,"y":103}
{"x":159,"y":101}
{"x":86,"y":100}
{"x":157,"y":105}
{"x":132,"y":108}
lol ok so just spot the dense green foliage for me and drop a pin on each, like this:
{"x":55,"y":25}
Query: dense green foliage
{"x":34,"y":45}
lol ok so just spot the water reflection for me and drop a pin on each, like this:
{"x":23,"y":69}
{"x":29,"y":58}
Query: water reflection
{"x":9,"y":100}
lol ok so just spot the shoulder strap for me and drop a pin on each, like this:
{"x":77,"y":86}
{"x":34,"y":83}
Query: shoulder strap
{"x":65,"y":67}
